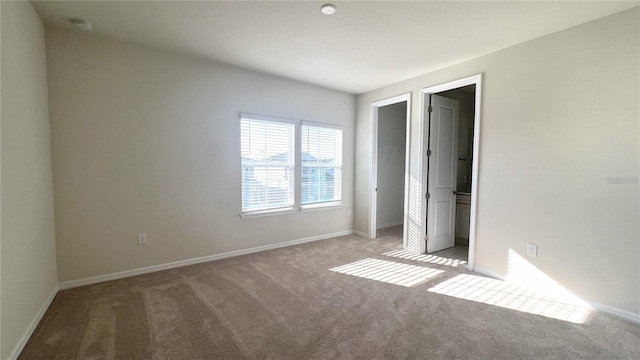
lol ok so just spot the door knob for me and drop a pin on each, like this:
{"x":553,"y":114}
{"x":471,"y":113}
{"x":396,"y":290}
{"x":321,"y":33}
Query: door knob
{"x":454,"y":192}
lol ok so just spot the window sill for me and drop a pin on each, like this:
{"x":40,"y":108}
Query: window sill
{"x":322,"y":206}
{"x":261,"y":213}
{"x":292,"y":210}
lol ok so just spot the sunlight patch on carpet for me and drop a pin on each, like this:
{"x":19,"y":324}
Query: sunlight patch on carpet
{"x":425,"y":258}
{"x":388,"y":271}
{"x":514,"y":297}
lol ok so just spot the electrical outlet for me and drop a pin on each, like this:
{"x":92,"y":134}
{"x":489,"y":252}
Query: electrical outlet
{"x":142,"y":238}
{"x":532,"y":250}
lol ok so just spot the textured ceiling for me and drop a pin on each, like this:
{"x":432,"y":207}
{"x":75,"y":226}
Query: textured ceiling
{"x":364,"y":46}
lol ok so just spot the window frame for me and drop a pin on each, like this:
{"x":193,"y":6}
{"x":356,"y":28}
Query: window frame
{"x":297,"y":169}
{"x":272,"y":210}
{"x":321,"y":205}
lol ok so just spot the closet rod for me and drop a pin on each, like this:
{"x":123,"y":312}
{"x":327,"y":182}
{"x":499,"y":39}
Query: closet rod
{"x":394,"y":150}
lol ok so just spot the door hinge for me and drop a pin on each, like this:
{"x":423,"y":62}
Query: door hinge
{"x":428,"y":152}
{"x":430,"y":108}
{"x":427,"y":195}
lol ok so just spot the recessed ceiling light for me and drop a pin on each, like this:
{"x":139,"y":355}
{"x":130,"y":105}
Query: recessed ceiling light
{"x":328,"y":9}
{"x":81,"y":24}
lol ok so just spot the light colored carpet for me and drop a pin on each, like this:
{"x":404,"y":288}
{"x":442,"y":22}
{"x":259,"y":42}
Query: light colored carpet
{"x":342,"y":298}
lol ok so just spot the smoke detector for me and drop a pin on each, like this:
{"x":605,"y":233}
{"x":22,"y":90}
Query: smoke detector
{"x":328,"y":9}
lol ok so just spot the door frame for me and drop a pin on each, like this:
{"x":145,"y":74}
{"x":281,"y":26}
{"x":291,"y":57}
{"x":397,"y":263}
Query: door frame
{"x":423,"y":141}
{"x":373,"y":166}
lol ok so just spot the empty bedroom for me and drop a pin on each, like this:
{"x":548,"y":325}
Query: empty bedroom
{"x":319,"y":180}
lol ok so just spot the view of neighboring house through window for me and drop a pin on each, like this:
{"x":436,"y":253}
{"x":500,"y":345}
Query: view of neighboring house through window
{"x":267,"y":148}
{"x":321,"y":164}
{"x":270,"y":179}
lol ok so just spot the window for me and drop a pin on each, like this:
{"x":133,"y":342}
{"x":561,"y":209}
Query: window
{"x":267,"y":148}
{"x":321,"y":164}
{"x":289,"y":165}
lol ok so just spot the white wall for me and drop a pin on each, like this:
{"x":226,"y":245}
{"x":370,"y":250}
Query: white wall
{"x":147,"y":141}
{"x":28,"y":260}
{"x":392,"y":121}
{"x":559,"y":115}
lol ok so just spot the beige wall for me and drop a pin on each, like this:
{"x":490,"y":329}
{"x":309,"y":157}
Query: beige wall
{"x":559,"y":115}
{"x":147,"y":141}
{"x":28,"y":260}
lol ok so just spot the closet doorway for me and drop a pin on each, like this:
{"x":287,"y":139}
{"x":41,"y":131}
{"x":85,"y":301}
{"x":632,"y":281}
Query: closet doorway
{"x":390,"y":138}
{"x":463,"y":163}
{"x":449,"y":154}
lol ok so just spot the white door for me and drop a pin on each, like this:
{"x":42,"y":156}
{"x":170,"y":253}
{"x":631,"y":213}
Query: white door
{"x":443,"y":168}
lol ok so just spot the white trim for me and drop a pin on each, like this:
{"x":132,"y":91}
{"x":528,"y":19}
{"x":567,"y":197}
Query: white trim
{"x":470,"y":80}
{"x":622,"y":314}
{"x":423,"y":168}
{"x":360,"y":233}
{"x":407,"y":174}
{"x":268,"y":212}
{"x":249,"y":116}
{"x":176,"y":264}
{"x":619,"y":313}
{"x":286,"y":208}
{"x":329,"y":205}
{"x":373,"y":172}
{"x":489,"y":273}
{"x":395,"y":223}
{"x":392,"y":100}
{"x":321,"y":125}
{"x":475,"y":170}
{"x":451,"y":85}
{"x":333,"y":204}
{"x":297,"y":161}
{"x":373,"y":159}
{"x":34,"y":323}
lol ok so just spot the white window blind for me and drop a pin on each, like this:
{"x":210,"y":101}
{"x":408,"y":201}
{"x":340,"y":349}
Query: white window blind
{"x":321,"y":164}
{"x":267,"y":148}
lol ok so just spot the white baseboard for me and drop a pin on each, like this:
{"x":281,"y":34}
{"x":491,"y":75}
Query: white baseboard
{"x":619,"y":313}
{"x":623,"y":314}
{"x":360,"y":233}
{"x":176,"y":264}
{"x":32,"y":327}
{"x":395,"y":223}
{"x":488,"y":272}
